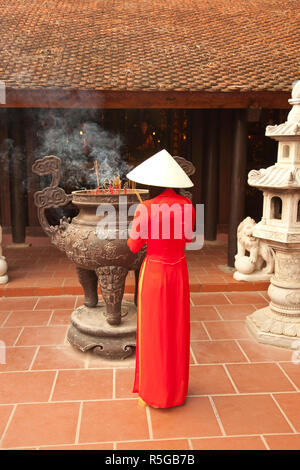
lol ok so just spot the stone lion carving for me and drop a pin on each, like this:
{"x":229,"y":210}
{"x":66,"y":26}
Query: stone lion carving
{"x":259,"y":264}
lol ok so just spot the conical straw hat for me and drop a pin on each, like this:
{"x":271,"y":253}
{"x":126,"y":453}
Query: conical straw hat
{"x":160,"y":170}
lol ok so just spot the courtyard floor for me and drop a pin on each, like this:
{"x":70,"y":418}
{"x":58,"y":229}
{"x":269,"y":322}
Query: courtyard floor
{"x":242,"y":394}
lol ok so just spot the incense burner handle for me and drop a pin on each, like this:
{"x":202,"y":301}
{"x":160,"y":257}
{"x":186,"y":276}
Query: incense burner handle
{"x":52,"y":196}
{"x":189,"y":168}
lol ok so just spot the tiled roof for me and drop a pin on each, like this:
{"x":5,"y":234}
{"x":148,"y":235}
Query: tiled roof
{"x":196,"y":45}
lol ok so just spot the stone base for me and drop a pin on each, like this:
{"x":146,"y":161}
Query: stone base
{"x":89,"y":330}
{"x":275,"y":329}
{"x":253,"y":277}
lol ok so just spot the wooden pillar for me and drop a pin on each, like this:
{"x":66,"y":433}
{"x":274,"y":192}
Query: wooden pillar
{"x":211,"y":176}
{"x":225,"y":164}
{"x":196,"y":150}
{"x":33,"y":183}
{"x":4,"y":172}
{"x":18,"y":177}
{"x":238,"y":181}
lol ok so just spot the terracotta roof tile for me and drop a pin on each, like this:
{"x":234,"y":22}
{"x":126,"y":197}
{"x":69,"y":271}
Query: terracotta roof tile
{"x":197,"y":45}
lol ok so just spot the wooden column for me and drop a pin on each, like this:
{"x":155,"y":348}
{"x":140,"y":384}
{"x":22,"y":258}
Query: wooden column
{"x":4,"y":172}
{"x":18,"y":177}
{"x":32,"y":179}
{"x":225,"y":164}
{"x":238,"y":181}
{"x":196,"y":150}
{"x":211,"y":175}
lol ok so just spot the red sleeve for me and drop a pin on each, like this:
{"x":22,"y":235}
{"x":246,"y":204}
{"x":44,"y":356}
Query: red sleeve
{"x":189,"y":224}
{"x":139,"y":230}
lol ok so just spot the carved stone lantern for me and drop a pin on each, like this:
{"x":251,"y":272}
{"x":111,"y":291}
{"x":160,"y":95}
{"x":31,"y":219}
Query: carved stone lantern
{"x":279,"y":322}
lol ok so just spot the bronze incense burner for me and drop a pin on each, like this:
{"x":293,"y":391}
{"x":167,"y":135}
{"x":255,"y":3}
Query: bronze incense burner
{"x":109,"y":327}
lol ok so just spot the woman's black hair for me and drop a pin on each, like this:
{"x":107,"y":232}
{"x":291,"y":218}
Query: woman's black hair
{"x":157,"y":190}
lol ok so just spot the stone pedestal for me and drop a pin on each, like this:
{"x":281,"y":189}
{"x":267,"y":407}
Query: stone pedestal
{"x":272,"y":328}
{"x":89,"y":330}
{"x":279,"y":323}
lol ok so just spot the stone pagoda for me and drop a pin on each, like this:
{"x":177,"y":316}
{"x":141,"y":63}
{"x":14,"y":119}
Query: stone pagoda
{"x":279,"y":322}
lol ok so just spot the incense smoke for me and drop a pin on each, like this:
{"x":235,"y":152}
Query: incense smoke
{"x":79,"y":142}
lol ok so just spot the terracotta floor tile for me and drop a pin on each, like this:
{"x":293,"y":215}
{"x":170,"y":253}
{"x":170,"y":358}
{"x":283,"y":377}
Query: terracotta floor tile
{"x":258,"y":352}
{"x":284,"y":442}
{"x":227,"y":329}
{"x":211,"y":379}
{"x":17,"y":358}
{"x":124,"y":383}
{"x":290,"y":405}
{"x":203,"y":313}
{"x":262,"y":286}
{"x":19,"y":285}
{"x":95,"y":362}
{"x":217,"y":287}
{"x":115,"y":420}
{"x":22,"y":387}
{"x":250,"y":414}
{"x":71,"y":287}
{"x":252,"y":378}
{"x":61,"y":317}
{"x":63,"y":301}
{"x":42,"y":424}
{"x":265,"y":295}
{"x":197,"y":331}
{"x":217,"y":352}
{"x":235,"y":312}
{"x":229,"y":443}
{"x":3,"y":316}
{"x":9,"y":335}
{"x":83,"y":385}
{"x":209,"y":279}
{"x":195,"y":418}
{"x":108,"y":446}
{"x":175,"y":444}
{"x":79,"y":301}
{"x":209,"y":299}
{"x":47,"y":290}
{"x":5,"y":411}
{"x":58,"y":357}
{"x":293,"y":371}
{"x":36,"y":275}
{"x":28,"y":318}
{"x":246,"y":298}
{"x":17,"y":303}
{"x":42,"y":335}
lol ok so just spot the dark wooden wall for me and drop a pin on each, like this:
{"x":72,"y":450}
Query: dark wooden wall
{"x":217,"y":141}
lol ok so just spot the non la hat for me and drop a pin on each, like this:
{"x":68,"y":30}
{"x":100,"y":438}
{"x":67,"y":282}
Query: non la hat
{"x":160,"y":170}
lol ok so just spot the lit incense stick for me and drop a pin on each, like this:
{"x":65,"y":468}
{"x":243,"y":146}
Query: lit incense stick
{"x":96,"y":170}
{"x":138,"y":195}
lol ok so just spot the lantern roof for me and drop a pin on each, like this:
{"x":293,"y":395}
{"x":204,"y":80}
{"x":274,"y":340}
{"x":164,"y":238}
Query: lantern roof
{"x":285,"y":174}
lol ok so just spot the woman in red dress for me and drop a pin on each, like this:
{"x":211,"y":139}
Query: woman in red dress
{"x":163,"y":323}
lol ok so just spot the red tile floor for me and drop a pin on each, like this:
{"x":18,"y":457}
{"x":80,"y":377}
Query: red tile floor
{"x":242,"y":395}
{"x":43,"y":270}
